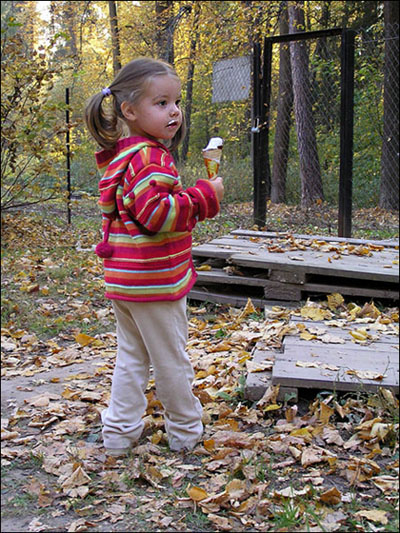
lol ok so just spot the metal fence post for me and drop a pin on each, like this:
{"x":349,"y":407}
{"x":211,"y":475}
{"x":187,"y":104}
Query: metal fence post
{"x":346,"y":133}
{"x":265,"y":186}
{"x":68,"y":150}
{"x":256,"y":144}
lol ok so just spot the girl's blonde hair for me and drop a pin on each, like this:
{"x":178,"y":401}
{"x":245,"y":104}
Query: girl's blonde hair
{"x":106,"y":125}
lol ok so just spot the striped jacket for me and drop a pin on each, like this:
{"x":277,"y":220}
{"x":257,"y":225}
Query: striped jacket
{"x":148,"y":218}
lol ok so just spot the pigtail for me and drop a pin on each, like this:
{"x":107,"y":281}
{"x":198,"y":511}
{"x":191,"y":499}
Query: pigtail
{"x":103,"y":124}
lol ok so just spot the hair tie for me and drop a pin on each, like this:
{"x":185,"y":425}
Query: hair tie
{"x":106,"y":91}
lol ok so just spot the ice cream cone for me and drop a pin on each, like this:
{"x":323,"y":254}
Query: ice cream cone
{"x":212,"y":156}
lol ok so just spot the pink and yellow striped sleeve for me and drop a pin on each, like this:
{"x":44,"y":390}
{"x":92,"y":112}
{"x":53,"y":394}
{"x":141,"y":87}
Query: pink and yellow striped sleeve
{"x":157,"y":200}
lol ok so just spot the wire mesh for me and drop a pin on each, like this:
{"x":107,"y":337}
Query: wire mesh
{"x":304,"y":122}
{"x":376,"y":118}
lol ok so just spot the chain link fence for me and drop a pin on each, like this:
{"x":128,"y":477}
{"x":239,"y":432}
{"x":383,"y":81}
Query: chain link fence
{"x":304,"y":123}
{"x":376,"y":118}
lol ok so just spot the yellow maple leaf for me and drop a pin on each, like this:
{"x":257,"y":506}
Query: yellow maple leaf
{"x":248,"y":310}
{"x":332,"y":496}
{"x":306,"y":336}
{"x":273,"y":407}
{"x":325,"y":413}
{"x":197,"y":494}
{"x":83,"y":339}
{"x":204,"y":268}
{"x":360,"y":335}
{"x":209,"y":444}
{"x":315,"y":313}
{"x":335,"y":300}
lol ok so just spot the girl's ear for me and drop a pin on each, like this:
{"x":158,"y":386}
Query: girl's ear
{"x":127,"y":110}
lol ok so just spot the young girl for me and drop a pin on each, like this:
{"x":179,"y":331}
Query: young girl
{"x":147,"y":222}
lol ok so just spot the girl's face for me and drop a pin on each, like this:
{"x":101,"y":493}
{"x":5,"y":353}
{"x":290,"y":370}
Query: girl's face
{"x":157,"y":114}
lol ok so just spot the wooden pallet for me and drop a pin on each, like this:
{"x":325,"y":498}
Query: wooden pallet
{"x":268,"y":267}
{"x":336,"y":367}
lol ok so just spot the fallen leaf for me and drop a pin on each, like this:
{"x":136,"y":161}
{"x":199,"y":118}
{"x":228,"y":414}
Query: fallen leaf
{"x":332,"y":496}
{"x":306,"y":336}
{"x":386,"y":483}
{"x":197,"y":494}
{"x":204,"y":268}
{"x":315,"y":313}
{"x":76,"y":479}
{"x":83,"y":339}
{"x":248,"y":310}
{"x":374,"y":514}
{"x":334,"y":300}
{"x":366,"y":374}
{"x":325,"y":412}
{"x":237,"y":489}
{"x":290,"y":492}
{"x":220,"y":521}
{"x":269,"y":396}
{"x":262,"y":366}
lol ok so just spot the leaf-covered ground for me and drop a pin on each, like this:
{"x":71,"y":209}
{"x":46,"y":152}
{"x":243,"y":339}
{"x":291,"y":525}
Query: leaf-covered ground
{"x":326,"y":463}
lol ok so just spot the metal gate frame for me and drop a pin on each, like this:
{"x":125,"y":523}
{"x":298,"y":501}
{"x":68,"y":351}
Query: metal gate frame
{"x":262,"y":68}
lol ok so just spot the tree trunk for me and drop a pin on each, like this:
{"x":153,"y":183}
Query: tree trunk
{"x":283,"y":119}
{"x":112,"y":6}
{"x":165,"y":30}
{"x":189,"y":83}
{"x":389,"y":187}
{"x":310,"y":173}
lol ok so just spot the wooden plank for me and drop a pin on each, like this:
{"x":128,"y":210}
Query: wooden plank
{"x":377,"y":346}
{"x":287,"y":373}
{"x":221,"y":277}
{"x":327,"y":288}
{"x":343,"y":332}
{"x":246,"y":253}
{"x":366,"y":292}
{"x":210,"y":250}
{"x":350,"y":356}
{"x":282,"y":291}
{"x":390,"y":243}
{"x":312,"y":378}
{"x":288,"y":277}
{"x":302,"y":289}
{"x":317,"y":263}
{"x":287,"y":290}
{"x":258,"y":382}
{"x":204,"y":295}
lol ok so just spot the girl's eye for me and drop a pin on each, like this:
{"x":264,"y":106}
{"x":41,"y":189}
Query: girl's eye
{"x":162,"y":103}
{"x":178,"y":103}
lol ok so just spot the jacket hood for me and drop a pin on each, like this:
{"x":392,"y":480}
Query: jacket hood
{"x":113,"y":165}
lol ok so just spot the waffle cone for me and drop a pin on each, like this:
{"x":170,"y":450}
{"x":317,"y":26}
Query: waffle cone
{"x":212,"y":160}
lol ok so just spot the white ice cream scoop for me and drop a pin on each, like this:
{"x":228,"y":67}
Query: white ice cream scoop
{"x":213,"y":143}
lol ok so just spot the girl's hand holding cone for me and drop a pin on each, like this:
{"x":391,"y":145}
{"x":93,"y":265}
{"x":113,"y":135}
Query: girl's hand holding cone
{"x":218,"y":184}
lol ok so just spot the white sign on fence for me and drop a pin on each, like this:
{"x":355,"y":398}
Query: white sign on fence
{"x":231,"y":79}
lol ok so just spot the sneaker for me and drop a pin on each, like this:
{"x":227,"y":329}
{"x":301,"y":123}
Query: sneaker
{"x":118,"y":452}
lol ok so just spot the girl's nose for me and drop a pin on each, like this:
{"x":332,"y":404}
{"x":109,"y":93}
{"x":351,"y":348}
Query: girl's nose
{"x":174,"y":109}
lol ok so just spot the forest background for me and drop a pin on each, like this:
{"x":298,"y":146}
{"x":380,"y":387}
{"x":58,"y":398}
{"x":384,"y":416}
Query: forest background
{"x":48,"y":47}
{"x":338,"y":468}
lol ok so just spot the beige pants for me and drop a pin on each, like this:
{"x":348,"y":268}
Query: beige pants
{"x":152,"y":333}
